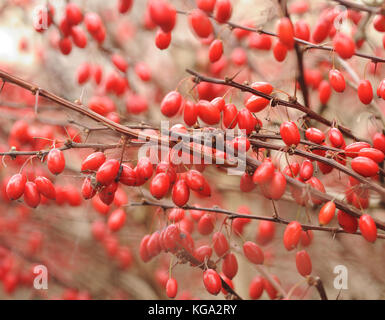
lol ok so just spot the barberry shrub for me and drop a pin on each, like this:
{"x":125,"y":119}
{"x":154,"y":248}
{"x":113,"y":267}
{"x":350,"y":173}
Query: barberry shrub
{"x":172,"y":144}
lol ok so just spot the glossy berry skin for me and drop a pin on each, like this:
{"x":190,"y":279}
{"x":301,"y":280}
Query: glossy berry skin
{"x":162,"y":39}
{"x":364,"y":166}
{"x":200,"y":23}
{"x":275,"y":188}
{"x":374,"y":154}
{"x":269,"y":288}
{"x":162,"y":14}
{"x":352,"y":150}
{"x":230,"y":265}
{"x":230,"y":116}
{"x":379,"y":141}
{"x":290,"y":133}
{"x":265,"y":232}
{"x":31,"y":195}
{"x":285,"y":32}
{"x":347,"y":222}
{"x":203,"y":252}
{"x":171,"y":103}
{"x":144,"y":168}
{"x":256,"y":288}
{"x":208,"y":112}
{"x":246,"y":121}
{"x":324,"y":91}
{"x":190,"y":113}
{"x":180,"y":193}
{"x":212,"y":281}
{"x":264,"y":172}
{"x":326,"y":213}
{"x":171,"y":288}
{"x":253,"y":252}
{"x":160,"y":185}
{"x":257,"y":103}
{"x":55,"y":161}
{"x":206,"y":5}
{"x":344,"y":46}
{"x":337,"y":80}
{"x":195,"y":180}
{"x":45,"y":187}
{"x":93,"y":161}
{"x":336,"y":138}
{"x":73,"y":14}
{"x":220,"y":244}
{"x":223,"y":10}
{"x":381,"y":89}
{"x":88,"y":191}
{"x":365,"y":91}
{"x":368,"y":227}
{"x":302,"y":30}
{"x":306,"y":170}
{"x":15,"y":186}
{"x":279,"y":51}
{"x":127,"y":176}
{"x":206,"y":224}
{"x":315,"y":135}
{"x":303,"y":263}
{"x":108,"y":172}
{"x":215,"y":50}
{"x":116,"y":220}
{"x":292,"y":235}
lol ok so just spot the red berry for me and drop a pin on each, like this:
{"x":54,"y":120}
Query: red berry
{"x":302,"y":30}
{"x":180,"y":193}
{"x":144,"y":168}
{"x":163,"y":14}
{"x":347,"y":222}
{"x":336,"y":138}
{"x":264,"y":172}
{"x":162,"y":39}
{"x":206,"y":224}
{"x":374,"y":154}
{"x":326,"y":213}
{"x":127,"y":176}
{"x":253,"y":252}
{"x":344,"y":45}
{"x":31,"y":195}
{"x":279,"y":51}
{"x":119,"y":62}
{"x":55,"y":161}
{"x":93,"y":161}
{"x":379,"y":23}
{"x":285,"y":32}
{"x":269,"y":288}
{"x":200,"y":23}
{"x":79,"y":37}
{"x":365,"y":91}
{"x":171,"y":288}
{"x":324,"y":91}
{"x":315,"y":135}
{"x":190,"y":113}
{"x":206,"y":5}
{"x":73,"y":14}
{"x":368,"y":227}
{"x":337,"y":80}
{"x":108,"y":172}
{"x":203,"y":253}
{"x":45,"y":187}
{"x":208,"y":112}
{"x":195,"y":180}
{"x":88,"y":191}
{"x":265,"y":232}
{"x":256,"y":288}
{"x":230,"y":265}
{"x":15,"y":186}
{"x":212,"y":281}
{"x":220,"y":244}
{"x":215,"y":50}
{"x":306,"y":171}
{"x":171,"y":103}
{"x":290,"y":133}
{"x":223,"y":10}
{"x":159,"y":185}
{"x":246,"y":121}
{"x":292,"y":235}
{"x":364,"y":166}
{"x":303,"y":263}
{"x":230,"y":116}
{"x":116,"y":220}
